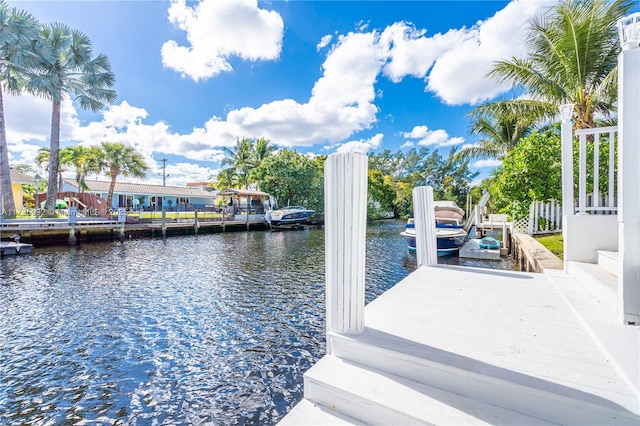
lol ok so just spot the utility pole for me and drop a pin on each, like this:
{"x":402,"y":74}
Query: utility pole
{"x":164,"y":169}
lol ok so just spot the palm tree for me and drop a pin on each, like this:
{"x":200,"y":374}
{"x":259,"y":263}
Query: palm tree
{"x":120,"y":159}
{"x":261,"y":149}
{"x":18,"y":29}
{"x":574,"y":49}
{"x":225,"y":179}
{"x":240,"y":160}
{"x":71,"y":70}
{"x":501,"y":125}
{"x":84,"y":160}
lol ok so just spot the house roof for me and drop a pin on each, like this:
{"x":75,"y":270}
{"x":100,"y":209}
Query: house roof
{"x":143,"y":189}
{"x":21,"y":178}
{"x":243,"y":192}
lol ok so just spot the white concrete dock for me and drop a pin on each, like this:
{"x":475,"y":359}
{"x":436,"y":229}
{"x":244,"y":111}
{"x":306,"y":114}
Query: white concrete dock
{"x":455,"y":345}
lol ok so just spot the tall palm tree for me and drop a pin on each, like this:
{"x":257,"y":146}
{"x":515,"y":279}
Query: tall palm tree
{"x":500,"y":126}
{"x":573,"y":47}
{"x":18,"y":30}
{"x":261,"y":149}
{"x":70,"y":71}
{"x":120,"y":159}
{"x":240,"y":160}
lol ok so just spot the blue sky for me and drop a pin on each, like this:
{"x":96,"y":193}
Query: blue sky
{"x":315,"y":76}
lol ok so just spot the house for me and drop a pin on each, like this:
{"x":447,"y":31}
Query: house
{"x":17,"y":180}
{"x":140,"y":196}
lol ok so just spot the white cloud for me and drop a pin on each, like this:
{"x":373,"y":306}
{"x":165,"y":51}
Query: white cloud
{"x":437,"y":138}
{"x":458,"y":74}
{"x":485,"y":163}
{"x":218,"y":30}
{"x":324,"y":42}
{"x":363,"y":145}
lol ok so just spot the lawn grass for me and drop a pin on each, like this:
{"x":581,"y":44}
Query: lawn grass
{"x":553,"y":243}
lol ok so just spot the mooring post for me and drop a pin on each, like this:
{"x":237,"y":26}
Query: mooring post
{"x":164,"y":223}
{"x":424,"y":215}
{"x":122,"y":218}
{"x":196,"y":224}
{"x":73,"y":217}
{"x":345,"y":189}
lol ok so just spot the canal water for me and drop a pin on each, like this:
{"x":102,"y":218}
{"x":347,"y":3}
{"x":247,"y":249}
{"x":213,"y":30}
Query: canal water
{"x":211,"y":329}
{"x":214,"y":329}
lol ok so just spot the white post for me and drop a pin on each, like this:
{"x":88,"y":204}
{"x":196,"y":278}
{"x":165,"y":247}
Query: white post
{"x":566,"y":112}
{"x":425,"y":220}
{"x":629,"y":172}
{"x":345,"y":189}
{"x":531,"y":225}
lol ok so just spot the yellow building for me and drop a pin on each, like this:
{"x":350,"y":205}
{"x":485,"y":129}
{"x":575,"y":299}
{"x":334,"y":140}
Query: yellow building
{"x":17,"y":180}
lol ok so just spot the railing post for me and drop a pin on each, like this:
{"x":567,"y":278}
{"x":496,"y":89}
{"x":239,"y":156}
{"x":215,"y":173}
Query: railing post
{"x":425,"y":221}
{"x":566,"y":112}
{"x":629,"y":173}
{"x":345,"y":231}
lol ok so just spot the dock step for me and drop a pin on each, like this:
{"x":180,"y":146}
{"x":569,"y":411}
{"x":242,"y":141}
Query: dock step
{"x":598,"y":282}
{"x":485,"y":385}
{"x":308,"y":413}
{"x":374,"y":397}
{"x":608,"y":260}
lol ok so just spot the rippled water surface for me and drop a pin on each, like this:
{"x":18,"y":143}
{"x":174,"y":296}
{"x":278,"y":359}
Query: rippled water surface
{"x":210,"y":329}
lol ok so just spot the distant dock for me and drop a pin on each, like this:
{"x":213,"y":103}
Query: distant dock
{"x":59,"y":231}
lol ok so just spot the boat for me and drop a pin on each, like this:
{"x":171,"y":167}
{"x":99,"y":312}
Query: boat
{"x":291,"y":216}
{"x":450,"y":233}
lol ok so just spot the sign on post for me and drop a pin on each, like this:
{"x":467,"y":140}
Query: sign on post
{"x":122,"y":216}
{"x":73,"y":215}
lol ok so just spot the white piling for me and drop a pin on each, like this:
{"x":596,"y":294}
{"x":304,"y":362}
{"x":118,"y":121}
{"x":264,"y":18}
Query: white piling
{"x":425,"y":223}
{"x":345,"y":185}
{"x":629,"y":176}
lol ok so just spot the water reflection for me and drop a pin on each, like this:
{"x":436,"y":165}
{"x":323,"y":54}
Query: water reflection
{"x":207,"y":329}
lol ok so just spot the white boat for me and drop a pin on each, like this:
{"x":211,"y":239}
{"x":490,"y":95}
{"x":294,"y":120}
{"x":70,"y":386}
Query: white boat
{"x":450,"y":233}
{"x":288,"y":217}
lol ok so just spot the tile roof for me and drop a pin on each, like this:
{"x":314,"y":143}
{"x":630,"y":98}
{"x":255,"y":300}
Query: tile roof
{"x":140,"y":188}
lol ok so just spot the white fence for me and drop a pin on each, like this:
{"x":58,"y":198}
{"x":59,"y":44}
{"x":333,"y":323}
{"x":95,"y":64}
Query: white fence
{"x":545,"y":217}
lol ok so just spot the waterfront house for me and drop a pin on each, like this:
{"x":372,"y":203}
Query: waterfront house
{"x":146,"y":197}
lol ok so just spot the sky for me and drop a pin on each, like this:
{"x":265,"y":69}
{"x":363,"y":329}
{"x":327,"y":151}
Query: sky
{"x":318,"y":77}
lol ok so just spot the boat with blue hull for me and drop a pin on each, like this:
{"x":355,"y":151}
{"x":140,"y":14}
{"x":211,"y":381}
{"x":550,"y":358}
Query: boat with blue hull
{"x":450,"y":233}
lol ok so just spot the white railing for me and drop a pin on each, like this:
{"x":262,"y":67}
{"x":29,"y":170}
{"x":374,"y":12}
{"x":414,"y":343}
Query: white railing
{"x":595,"y":202}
